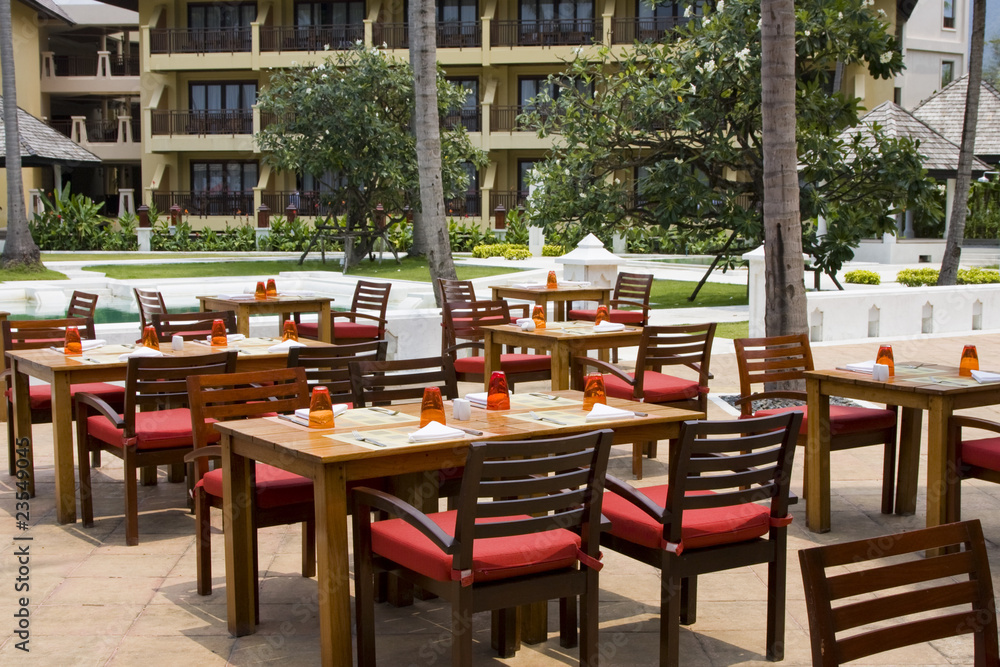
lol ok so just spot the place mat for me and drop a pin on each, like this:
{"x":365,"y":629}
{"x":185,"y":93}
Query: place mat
{"x":571,"y":417}
{"x":107,"y":354}
{"x":356,"y":417}
{"x":392,"y":438}
{"x":538,"y":400}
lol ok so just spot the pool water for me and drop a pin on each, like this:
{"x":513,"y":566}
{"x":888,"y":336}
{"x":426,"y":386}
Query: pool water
{"x":109,"y":310}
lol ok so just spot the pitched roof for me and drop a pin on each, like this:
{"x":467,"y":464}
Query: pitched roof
{"x":945,"y":112}
{"x":940,"y":155}
{"x":48,"y":8}
{"x":41,"y":145}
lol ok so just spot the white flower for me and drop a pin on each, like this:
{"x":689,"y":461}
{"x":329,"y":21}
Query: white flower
{"x":308,"y":91}
{"x":678,"y":160}
{"x":688,"y":12}
{"x":618,"y":181}
{"x":578,"y":50}
{"x":694,"y":89}
{"x":326,"y":47}
{"x":886,"y":57}
{"x":720,"y":7}
{"x":881,"y":12}
{"x":806,"y":33}
{"x":840,"y":16}
{"x":357,"y":42}
{"x":710,"y":66}
{"x":583,"y":195}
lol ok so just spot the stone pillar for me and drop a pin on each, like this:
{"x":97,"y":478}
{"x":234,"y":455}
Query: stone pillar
{"x":144,"y":232}
{"x":126,"y":200}
{"x":263,"y":223}
{"x":618,"y":244}
{"x":500,"y":221}
{"x":536,"y":241}
{"x":290,"y":213}
{"x":757,"y":293}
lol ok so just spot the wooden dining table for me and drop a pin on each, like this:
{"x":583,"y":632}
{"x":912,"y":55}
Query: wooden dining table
{"x":915,"y":387}
{"x":99,"y":365}
{"x":246,"y":305}
{"x":332,"y":458}
{"x":557,"y":296}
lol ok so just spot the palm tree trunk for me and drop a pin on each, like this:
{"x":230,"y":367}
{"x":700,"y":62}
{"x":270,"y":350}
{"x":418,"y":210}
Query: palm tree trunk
{"x":783,"y":265}
{"x":956,"y":227}
{"x":19,"y":249}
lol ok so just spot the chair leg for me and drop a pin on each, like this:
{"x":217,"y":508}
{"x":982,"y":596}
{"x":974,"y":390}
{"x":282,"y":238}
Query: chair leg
{"x":776,"y":581}
{"x":504,"y":631}
{"x":637,"y":459}
{"x":95,"y":458}
{"x":11,"y":445}
{"x":309,"y":548}
{"x":175,"y":473}
{"x":689,"y":600}
{"x":651,"y":449}
{"x":131,"y":498}
{"x":203,"y":541}
{"x":364,"y":605}
{"x":148,"y":475}
{"x":670,"y":611}
{"x":568,"y":622}
{"x":86,"y":490}
{"x":889,"y":475}
{"x":589,"y":647}
{"x":461,"y":628}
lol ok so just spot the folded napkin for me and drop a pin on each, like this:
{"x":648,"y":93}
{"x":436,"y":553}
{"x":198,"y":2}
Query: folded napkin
{"x":288,"y":292}
{"x":338,"y":409}
{"x":529,"y":285}
{"x":88,"y":345}
{"x":609,"y":326}
{"x":522,"y":320}
{"x":140,"y":352}
{"x":985,"y":376}
{"x":861,"y":366}
{"x":284,"y":346}
{"x":574,"y":283}
{"x":601,"y":412}
{"x":436,"y":431}
{"x":478,"y":399}
{"x":232,"y":338}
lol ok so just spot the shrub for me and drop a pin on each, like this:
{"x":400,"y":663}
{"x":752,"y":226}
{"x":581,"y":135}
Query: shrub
{"x":68,"y":222}
{"x":516,"y":252}
{"x":553,"y":250}
{"x":978,"y":276}
{"x":466,"y":236}
{"x":917,"y":277}
{"x":862,"y":277}
{"x":505,"y":250}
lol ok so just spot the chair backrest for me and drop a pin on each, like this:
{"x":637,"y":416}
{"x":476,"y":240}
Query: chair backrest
{"x":81,"y":304}
{"x":464,"y":320}
{"x":161,"y":382}
{"x":35,"y":334}
{"x":371,"y":296}
{"x":916,"y":599}
{"x":191,"y":325}
{"x":382,"y":382}
{"x":329,"y":366}
{"x":683,"y":345}
{"x":769,"y":361}
{"x":730,"y":463}
{"x":505,"y":482}
{"x":634,"y":287}
{"x":456,"y":290}
{"x":149,"y":302}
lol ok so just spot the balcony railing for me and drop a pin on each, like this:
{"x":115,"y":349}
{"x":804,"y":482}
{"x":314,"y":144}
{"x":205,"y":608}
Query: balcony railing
{"x":556,"y":32}
{"x":504,"y":118}
{"x":98,"y":131}
{"x":459,"y":34}
{"x":467,"y":118}
{"x":89,"y":65}
{"x":392,"y":35}
{"x":64,"y":127}
{"x":311,"y":38}
{"x":468,"y":204}
{"x":200,"y":40}
{"x":510,"y":199}
{"x":206,"y":202}
{"x":306,"y":202}
{"x":222,"y":121}
{"x":647,"y":29}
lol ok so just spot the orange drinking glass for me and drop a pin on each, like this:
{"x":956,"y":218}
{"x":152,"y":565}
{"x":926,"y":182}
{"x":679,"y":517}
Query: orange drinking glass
{"x":538,"y":317}
{"x":884,"y":356}
{"x":261,"y":292}
{"x":150,"y":339}
{"x":594,"y":392}
{"x":272,"y":289}
{"x":290,"y":331}
{"x":219,"y":338}
{"x":432,"y":408}
{"x":73,"y":345}
{"x":498,"y":398}
{"x":551,"y":283}
{"x":602,"y":315}
{"x":970,"y":361}
{"x":320,"y":409}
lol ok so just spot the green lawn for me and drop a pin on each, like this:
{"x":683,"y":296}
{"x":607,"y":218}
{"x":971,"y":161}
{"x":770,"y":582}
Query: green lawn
{"x":55,"y":256}
{"x":46,"y":274}
{"x":733,"y":330}
{"x":675,"y":293}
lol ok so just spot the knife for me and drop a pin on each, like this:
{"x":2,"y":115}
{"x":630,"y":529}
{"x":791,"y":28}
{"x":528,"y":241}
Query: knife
{"x":470,"y":431}
{"x":385,"y":411}
{"x":294,"y":420}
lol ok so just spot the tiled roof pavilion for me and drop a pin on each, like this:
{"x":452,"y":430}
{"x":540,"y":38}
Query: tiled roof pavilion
{"x":43,"y":146}
{"x":945,"y":112}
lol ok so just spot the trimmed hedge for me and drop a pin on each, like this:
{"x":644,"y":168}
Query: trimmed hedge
{"x":862,"y":277}
{"x":973,"y":276}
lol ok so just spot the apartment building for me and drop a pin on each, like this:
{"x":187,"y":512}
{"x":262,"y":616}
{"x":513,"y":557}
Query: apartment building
{"x":935,"y":49}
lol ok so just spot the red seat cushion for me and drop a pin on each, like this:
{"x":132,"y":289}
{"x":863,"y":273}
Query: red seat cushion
{"x":984,"y":453}
{"x":701,"y":527}
{"x":308,"y":329}
{"x":622,"y":316}
{"x":161,"y":429}
{"x":509,"y":364}
{"x":41,"y":394}
{"x":354,"y":330}
{"x":275,"y":487}
{"x":656,"y":387}
{"x":493,"y":558}
{"x":843,"y":418}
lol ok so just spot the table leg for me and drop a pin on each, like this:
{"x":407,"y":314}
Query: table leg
{"x":243,"y":319}
{"x":62,"y":442}
{"x":241,"y":571}
{"x":817,"y":463}
{"x":22,"y":423}
{"x":560,"y":367}
{"x":331,"y":566}
{"x":491,"y":355}
{"x":324,"y":328}
{"x":938,"y":462}
{"x":909,"y":461}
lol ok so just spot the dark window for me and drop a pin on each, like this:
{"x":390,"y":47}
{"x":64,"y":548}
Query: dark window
{"x":457,"y":11}
{"x":947,"y":72}
{"x":524,"y":169}
{"x":223,"y":95}
{"x":949,"y":14}
{"x":221,"y":15}
{"x":549,"y":10}
{"x":468,"y":114}
{"x":330,"y":13}
{"x":223,"y":188}
{"x":532,"y":86}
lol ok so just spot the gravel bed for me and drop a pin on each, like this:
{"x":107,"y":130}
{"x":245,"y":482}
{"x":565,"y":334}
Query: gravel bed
{"x":774,"y":403}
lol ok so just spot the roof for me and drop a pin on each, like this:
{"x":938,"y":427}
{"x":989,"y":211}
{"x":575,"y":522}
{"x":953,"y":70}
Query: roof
{"x":940,"y":156}
{"x":48,"y":8}
{"x":945,"y":112}
{"x":98,"y":14}
{"x":41,"y":145}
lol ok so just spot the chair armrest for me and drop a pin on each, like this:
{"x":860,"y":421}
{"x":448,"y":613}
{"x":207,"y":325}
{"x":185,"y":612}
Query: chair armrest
{"x":974,"y":422}
{"x":589,"y":362}
{"x":210,"y":451}
{"x":352,"y":316}
{"x":523,"y":307}
{"x":654,"y":511}
{"x":474,"y":345}
{"x":628,"y":302}
{"x":99,"y":406}
{"x":366,"y":499}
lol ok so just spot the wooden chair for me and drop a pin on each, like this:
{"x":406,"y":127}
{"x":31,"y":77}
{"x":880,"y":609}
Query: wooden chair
{"x":464,"y":320}
{"x":785,"y":359}
{"x":81,"y":304}
{"x":533,"y":540}
{"x":631,"y":293}
{"x":974,"y":458}
{"x":191,"y":326}
{"x":280,"y":497}
{"x":329,"y":366}
{"x":725,"y":506}
{"x":37,"y":334}
{"x":150,"y":302}
{"x":150,"y":437}
{"x":368,"y":296}
{"x":891,"y":601}
{"x":464,"y":290}
{"x":383,"y":382}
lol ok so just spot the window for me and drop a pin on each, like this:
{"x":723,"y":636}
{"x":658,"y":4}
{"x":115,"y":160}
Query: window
{"x":556,"y":21}
{"x":467,"y":204}
{"x":468,"y":114}
{"x":225,"y":107}
{"x":948,"y":7}
{"x":947,"y":72}
{"x":452,"y":11}
{"x":524,"y":176}
{"x":223,"y":188}
{"x":350,"y":12}
{"x":530,"y":87}
{"x":221,"y":15}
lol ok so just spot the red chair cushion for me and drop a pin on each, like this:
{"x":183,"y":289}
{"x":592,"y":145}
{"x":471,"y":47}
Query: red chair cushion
{"x":161,"y":429}
{"x":843,"y":418}
{"x":41,"y":394}
{"x":345,"y":330}
{"x":622,"y":316}
{"x":701,"y":528}
{"x":656,"y":387}
{"x":983,"y":453}
{"x":493,"y":558}
{"x":308,"y":329}
{"x":509,"y":364}
{"x":275,"y":487}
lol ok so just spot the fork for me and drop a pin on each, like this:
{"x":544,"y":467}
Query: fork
{"x":535,"y":415}
{"x":360,"y":438}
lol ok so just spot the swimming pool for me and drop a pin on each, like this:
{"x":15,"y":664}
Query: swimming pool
{"x":110,"y":310}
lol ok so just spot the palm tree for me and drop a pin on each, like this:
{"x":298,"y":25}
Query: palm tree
{"x":19,"y":251}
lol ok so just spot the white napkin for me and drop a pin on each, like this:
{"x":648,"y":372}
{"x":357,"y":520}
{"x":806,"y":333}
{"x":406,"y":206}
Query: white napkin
{"x":88,"y":345}
{"x":861,"y":366}
{"x":338,"y":409}
{"x":435,"y":431}
{"x":529,"y":285}
{"x":574,"y":283}
{"x":284,"y":346}
{"x":608,"y":326}
{"x":140,"y":352}
{"x":478,"y":399}
{"x":288,"y":292}
{"x":232,"y":338}
{"x":601,"y":412}
{"x":985,"y":376}
{"x":523,"y":320}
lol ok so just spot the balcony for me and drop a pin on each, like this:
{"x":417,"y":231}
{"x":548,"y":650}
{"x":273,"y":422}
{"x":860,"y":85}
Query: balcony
{"x":511,"y":200}
{"x":470,"y":119}
{"x":468,"y":205}
{"x":200,"y":40}
{"x":308,"y":203}
{"x":222,"y":121}
{"x":556,"y":32}
{"x":118,"y":140}
{"x":646,"y":29}
{"x":203,"y":203}
{"x":311,"y":38}
{"x":504,"y":118}
{"x":100,"y":73}
{"x":450,"y":35}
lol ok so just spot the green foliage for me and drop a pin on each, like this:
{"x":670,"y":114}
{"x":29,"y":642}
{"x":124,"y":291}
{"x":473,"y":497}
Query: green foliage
{"x":862,"y":277}
{"x":983,"y":221}
{"x":505,"y":250}
{"x":517,"y":228}
{"x":553,"y":250}
{"x":516,"y":252}
{"x":287,"y":236}
{"x":685,"y":115}
{"x":68,"y":222}
{"x":977,"y":276}
{"x":921,"y":277}
{"x":465,"y":236}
